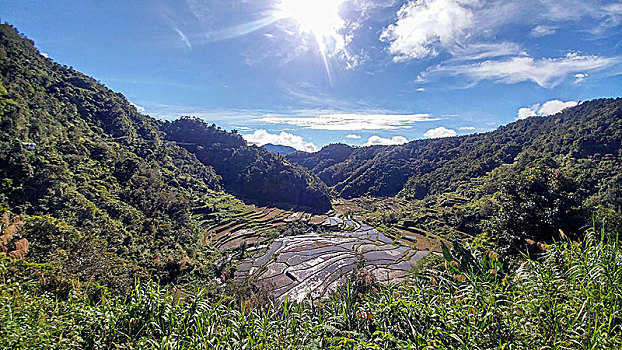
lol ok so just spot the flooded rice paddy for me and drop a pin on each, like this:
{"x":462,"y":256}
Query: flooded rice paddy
{"x":316,"y":264}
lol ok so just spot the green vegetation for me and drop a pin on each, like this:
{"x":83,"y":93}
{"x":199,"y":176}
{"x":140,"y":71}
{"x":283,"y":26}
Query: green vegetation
{"x":249,"y":172}
{"x":585,"y":140}
{"x":114,"y":188}
{"x":523,"y":181}
{"x":116,"y":180}
{"x":568,"y":299}
{"x":114,"y":226}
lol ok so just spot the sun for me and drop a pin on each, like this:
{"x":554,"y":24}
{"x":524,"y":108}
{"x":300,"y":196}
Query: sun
{"x":318,"y":17}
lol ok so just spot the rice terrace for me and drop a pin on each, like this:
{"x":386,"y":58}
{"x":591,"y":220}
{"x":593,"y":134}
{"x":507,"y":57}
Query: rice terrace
{"x":311,"y":174}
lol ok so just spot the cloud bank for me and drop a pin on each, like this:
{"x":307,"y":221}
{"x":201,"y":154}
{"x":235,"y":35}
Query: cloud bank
{"x":262,"y":137}
{"x":546,"y":72}
{"x":467,"y":29}
{"x":547,"y":108}
{"x":376,"y":140}
{"x":439,"y":132}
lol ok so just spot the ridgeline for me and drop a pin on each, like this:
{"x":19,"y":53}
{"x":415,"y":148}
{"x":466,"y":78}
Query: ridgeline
{"x":585,"y":139}
{"x":120,"y":231}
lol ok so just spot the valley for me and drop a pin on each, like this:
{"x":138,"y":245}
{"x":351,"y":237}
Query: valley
{"x":122,"y":231}
{"x":316,"y":259}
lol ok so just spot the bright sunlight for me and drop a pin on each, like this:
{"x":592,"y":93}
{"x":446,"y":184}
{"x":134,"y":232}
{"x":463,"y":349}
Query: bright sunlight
{"x":318,"y":17}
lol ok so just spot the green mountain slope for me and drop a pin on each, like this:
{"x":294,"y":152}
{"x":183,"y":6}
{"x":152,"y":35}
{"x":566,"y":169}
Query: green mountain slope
{"x":322,"y":162}
{"x":98,"y":165}
{"x":247,"y":171}
{"x":127,"y":195}
{"x":586,"y":139}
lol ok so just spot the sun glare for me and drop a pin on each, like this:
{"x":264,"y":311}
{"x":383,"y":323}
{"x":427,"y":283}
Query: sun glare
{"x":318,"y":17}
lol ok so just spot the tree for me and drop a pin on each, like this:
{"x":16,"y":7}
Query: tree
{"x":538,"y":203}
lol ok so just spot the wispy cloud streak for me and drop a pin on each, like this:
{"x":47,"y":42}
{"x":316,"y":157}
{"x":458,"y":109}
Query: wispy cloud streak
{"x":546,"y":72}
{"x":352,"y":121}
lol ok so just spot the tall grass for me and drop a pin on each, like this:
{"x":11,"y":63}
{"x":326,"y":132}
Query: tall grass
{"x":569,"y":298}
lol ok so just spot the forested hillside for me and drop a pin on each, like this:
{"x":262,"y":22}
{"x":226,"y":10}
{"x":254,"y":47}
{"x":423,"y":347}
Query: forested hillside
{"x":118,"y":195}
{"x":586,"y":139}
{"x":121,"y":195}
{"x":247,"y":171}
{"x":323,"y":162}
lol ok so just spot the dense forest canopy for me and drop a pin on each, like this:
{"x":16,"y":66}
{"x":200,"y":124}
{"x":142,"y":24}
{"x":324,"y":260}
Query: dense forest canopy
{"x":585,"y":139}
{"x":247,"y":171}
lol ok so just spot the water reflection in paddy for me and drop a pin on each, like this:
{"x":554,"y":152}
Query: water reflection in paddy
{"x":295,"y":266}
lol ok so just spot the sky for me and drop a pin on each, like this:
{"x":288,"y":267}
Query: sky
{"x":306,"y":73}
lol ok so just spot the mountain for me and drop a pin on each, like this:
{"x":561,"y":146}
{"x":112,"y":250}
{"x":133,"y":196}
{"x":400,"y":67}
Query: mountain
{"x":322,"y":162}
{"x":586,"y":139}
{"x":107,"y":189}
{"x":247,"y":171}
{"x":279,"y":149}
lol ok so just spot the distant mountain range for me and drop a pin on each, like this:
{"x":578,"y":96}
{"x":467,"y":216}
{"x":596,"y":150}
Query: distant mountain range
{"x":279,"y":149}
{"x":586,"y":139}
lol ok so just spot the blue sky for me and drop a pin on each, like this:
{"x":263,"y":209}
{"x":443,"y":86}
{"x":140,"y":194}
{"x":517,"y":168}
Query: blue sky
{"x":306,"y":73}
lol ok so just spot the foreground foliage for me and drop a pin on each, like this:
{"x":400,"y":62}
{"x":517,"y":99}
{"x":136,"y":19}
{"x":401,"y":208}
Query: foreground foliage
{"x":569,"y":298}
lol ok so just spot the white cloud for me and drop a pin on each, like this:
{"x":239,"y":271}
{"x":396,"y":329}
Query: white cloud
{"x":547,"y":108}
{"x":579,"y":77}
{"x":479,"y":51}
{"x":183,"y":37}
{"x":613,"y":15}
{"x":140,"y":109}
{"x":376,"y":140}
{"x":555,"y":106}
{"x":467,"y":31}
{"x":424,"y":26}
{"x":353,"y":136}
{"x":421,"y":89}
{"x":526,"y":112}
{"x":568,"y":10}
{"x":466,"y":128}
{"x":439,"y":132}
{"x":352,"y":121}
{"x":261,"y":137}
{"x":44,"y":54}
{"x":603,"y":15}
{"x":542,"y":30}
{"x":546,"y":72}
